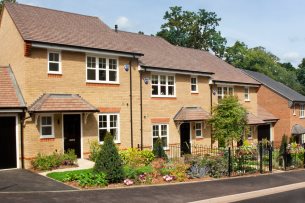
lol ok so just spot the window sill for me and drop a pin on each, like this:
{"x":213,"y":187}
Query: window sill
{"x":196,"y":93}
{"x":52,"y":75}
{"x":247,"y":100}
{"x":163,"y":98}
{"x":47,"y":136}
{"x":102,"y":82}
{"x":302,"y":117}
{"x":90,"y":84}
{"x":199,"y":138}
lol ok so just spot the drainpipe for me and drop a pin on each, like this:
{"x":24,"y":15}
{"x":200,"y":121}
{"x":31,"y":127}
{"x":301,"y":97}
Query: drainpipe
{"x":211,"y":108}
{"x":141,"y":109}
{"x":22,"y":118}
{"x":131,"y":116}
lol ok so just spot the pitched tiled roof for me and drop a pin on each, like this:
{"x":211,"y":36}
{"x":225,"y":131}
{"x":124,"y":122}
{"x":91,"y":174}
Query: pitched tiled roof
{"x":61,"y":103}
{"x":191,"y":114}
{"x":158,"y":53}
{"x":254,"y":120}
{"x":297,"y":129}
{"x":62,"y":28}
{"x":10,"y":94}
{"x":278,"y":87}
{"x":265,"y":115}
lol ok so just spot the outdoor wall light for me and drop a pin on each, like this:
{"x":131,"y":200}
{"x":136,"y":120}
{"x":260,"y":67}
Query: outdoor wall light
{"x":126,"y":67}
{"x":146,"y":80}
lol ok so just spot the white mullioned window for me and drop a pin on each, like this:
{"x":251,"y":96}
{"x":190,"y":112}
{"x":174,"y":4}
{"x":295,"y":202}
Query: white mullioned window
{"x":102,"y":69}
{"x":163,"y":85}
{"x":47,"y":126}
{"x":54,"y":62}
{"x":160,"y":131}
{"x":109,"y":122}
{"x":194,"y":84}
{"x":198,"y":129}
{"x":247,"y":93}
{"x":301,"y":110}
{"x":250,"y":133}
{"x":224,"y":91}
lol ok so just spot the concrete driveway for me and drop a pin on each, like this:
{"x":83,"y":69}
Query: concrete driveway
{"x":22,"y":181}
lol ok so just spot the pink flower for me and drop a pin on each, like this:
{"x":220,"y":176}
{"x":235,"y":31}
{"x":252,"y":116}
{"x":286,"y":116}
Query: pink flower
{"x":128,"y":182}
{"x":168,"y":178}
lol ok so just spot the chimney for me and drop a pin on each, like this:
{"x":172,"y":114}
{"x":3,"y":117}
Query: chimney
{"x":116,"y":28}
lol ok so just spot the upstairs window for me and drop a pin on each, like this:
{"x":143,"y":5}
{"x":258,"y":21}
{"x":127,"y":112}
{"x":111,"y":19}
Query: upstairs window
{"x":103,"y":70}
{"x":46,"y":126}
{"x":224,"y":91}
{"x":247,"y":93}
{"x":163,"y":85}
{"x":301,"y":110}
{"x":194,"y":84}
{"x":54,"y":62}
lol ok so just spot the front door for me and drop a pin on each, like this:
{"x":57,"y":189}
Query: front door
{"x":8,"y":155}
{"x":263,"y":132}
{"x":72,"y":133}
{"x":185,"y":138}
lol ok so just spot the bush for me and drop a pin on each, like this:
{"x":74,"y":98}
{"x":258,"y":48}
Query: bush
{"x":109,"y":161}
{"x":158,"y":150}
{"x":87,"y":179}
{"x":176,"y":169}
{"x":133,"y":173}
{"x":94,"y":150}
{"x":48,"y":162}
{"x":135,"y":157}
{"x":217,"y":166}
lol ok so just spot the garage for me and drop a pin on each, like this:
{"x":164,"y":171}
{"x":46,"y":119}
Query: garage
{"x":8,"y":142}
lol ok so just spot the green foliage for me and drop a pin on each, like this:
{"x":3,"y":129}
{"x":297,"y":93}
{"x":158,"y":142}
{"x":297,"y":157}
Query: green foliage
{"x":94,"y":150}
{"x":260,"y":60}
{"x":109,"y":161}
{"x":2,"y":2}
{"x":48,"y":162}
{"x":284,"y":144}
{"x":217,"y":165}
{"x":158,"y":150}
{"x":60,"y":176}
{"x":193,"y":30}
{"x":87,"y":179}
{"x":135,"y":157}
{"x":133,"y":173}
{"x":300,"y":72}
{"x":229,"y":119}
{"x":176,"y":169}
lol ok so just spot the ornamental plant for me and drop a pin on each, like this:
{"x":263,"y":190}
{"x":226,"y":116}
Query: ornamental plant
{"x":158,"y":150}
{"x":109,"y":161}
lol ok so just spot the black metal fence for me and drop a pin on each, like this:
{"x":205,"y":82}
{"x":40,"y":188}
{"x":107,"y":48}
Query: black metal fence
{"x":237,"y":160}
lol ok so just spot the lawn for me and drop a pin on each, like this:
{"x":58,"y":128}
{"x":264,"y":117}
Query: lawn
{"x":60,"y":176}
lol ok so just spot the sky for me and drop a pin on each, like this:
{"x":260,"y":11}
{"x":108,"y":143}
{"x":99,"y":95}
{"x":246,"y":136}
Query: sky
{"x":277,"y":25}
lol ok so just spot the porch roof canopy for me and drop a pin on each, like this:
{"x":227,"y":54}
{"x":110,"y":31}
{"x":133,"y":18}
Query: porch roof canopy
{"x":254,"y":120}
{"x":10,"y":94}
{"x":191,"y":114}
{"x":297,"y":130}
{"x":265,"y":115}
{"x":61,"y":103}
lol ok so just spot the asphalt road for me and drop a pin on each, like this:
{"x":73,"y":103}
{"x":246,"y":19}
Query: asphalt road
{"x":295,"y":196}
{"x":166,"y":193}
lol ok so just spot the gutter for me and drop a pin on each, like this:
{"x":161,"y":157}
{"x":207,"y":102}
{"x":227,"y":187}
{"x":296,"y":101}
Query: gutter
{"x":178,"y":71}
{"x":85,"y":50}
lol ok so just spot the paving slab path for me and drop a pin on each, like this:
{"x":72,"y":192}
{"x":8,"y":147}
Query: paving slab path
{"x":186,"y":192}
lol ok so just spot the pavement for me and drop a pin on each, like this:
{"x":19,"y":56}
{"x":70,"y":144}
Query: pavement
{"x":184,"y":192}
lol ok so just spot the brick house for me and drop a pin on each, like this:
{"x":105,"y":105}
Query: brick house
{"x":80,"y":79}
{"x":284,"y":103}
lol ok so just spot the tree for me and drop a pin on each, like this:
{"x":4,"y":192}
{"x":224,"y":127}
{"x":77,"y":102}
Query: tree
{"x":300,"y":72}
{"x":109,"y":161}
{"x":158,"y":149}
{"x":193,"y":30}
{"x":4,"y":1}
{"x":229,"y":120}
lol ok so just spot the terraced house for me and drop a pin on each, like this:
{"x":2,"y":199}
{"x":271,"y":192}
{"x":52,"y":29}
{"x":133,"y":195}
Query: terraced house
{"x":70,"y":79}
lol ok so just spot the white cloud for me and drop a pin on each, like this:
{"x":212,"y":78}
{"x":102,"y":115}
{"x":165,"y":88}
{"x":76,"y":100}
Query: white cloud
{"x":293,"y":57}
{"x":123,"y":23}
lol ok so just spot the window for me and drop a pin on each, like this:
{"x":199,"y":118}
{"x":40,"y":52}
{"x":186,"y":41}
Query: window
{"x":194,"y":85}
{"x":301,"y":110}
{"x":294,"y":110}
{"x":247,"y":94}
{"x":224,"y":91}
{"x":109,"y":123}
{"x":101,"y":69}
{"x":198,"y":129}
{"x":54,"y":62}
{"x":250,"y":133}
{"x":162,"y":132}
{"x":163,"y":85}
{"x":46,"y":126}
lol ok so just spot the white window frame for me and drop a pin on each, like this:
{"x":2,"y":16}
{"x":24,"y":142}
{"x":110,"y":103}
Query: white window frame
{"x":41,"y":126}
{"x":160,"y":134}
{"x":118,"y":140}
{"x":251,"y":131}
{"x":302,"y":111}
{"x":222,"y":91}
{"x":107,"y":69}
{"x":59,"y":72}
{"x":247,"y":93}
{"x":196,"y":84}
{"x":159,"y":84}
{"x":197,"y":129}
{"x":294,"y":112}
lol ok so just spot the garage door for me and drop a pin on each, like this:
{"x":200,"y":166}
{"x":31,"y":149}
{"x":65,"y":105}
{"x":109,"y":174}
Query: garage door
{"x":8,"y":142}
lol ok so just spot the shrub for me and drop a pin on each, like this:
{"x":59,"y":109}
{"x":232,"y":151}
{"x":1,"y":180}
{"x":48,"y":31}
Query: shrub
{"x":109,"y":161}
{"x":94,"y":150}
{"x":87,"y":179}
{"x":135,"y":157}
{"x":217,"y":165}
{"x":133,"y":173}
{"x":158,"y":149}
{"x":157,"y":166}
{"x":69,"y":158}
{"x":178,"y":170}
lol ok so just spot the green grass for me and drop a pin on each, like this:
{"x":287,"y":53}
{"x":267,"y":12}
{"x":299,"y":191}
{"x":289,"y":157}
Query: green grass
{"x":61,"y":175}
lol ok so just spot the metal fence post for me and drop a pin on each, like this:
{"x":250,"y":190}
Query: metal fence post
{"x":285,"y":157}
{"x":229,"y":164}
{"x":304,"y":157}
{"x":261,"y":158}
{"x":270,"y":158}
